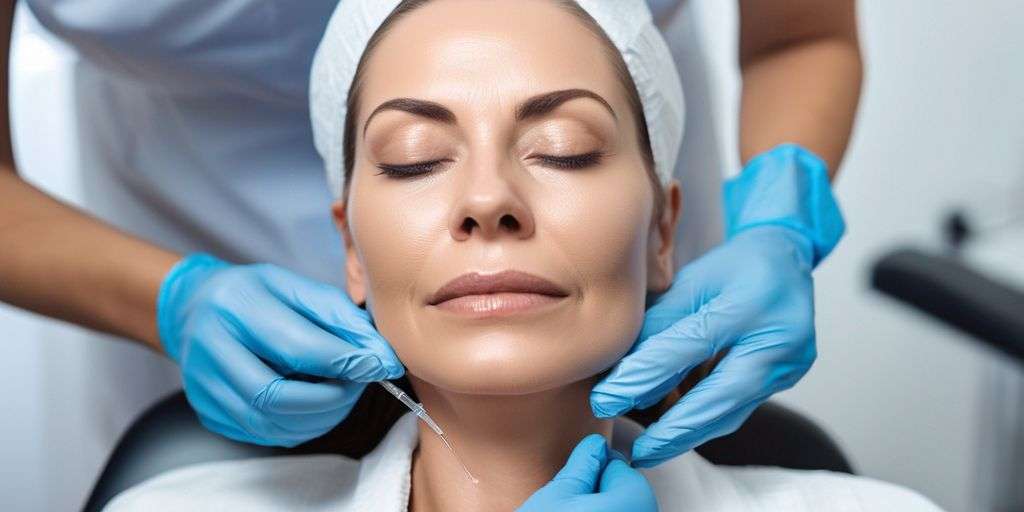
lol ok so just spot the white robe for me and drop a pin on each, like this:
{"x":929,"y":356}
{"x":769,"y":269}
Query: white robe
{"x":381,"y":481}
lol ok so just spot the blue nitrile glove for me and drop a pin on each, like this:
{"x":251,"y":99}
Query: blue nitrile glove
{"x":752,"y":295}
{"x":596,"y":478}
{"x":241,"y":333}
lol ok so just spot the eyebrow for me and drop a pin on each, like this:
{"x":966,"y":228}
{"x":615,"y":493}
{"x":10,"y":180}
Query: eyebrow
{"x":532,"y":108}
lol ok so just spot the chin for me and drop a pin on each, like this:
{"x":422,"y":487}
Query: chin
{"x":504,"y":364}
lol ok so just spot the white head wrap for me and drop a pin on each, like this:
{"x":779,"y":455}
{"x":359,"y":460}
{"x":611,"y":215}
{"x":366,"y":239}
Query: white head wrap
{"x":626,"y":22}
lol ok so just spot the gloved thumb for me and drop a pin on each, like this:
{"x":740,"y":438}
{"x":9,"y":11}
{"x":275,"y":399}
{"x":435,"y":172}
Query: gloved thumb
{"x":331,"y":309}
{"x":582,"y":471}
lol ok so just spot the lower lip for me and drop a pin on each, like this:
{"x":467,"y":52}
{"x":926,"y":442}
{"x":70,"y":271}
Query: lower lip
{"x":497,"y":304}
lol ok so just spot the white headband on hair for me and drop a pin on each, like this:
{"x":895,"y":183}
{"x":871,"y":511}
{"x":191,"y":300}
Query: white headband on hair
{"x":626,"y":22}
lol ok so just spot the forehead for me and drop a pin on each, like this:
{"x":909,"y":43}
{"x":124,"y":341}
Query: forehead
{"x":480,"y":54}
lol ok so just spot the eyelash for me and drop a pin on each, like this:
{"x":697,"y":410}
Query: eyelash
{"x":558,"y":162}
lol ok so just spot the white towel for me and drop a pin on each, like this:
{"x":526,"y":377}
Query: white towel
{"x":381,"y":482}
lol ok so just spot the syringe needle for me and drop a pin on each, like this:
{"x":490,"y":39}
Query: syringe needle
{"x":418,"y":409}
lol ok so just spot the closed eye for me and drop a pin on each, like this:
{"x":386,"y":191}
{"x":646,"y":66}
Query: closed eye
{"x":410,"y":170}
{"x":559,"y":162}
{"x":572,"y":161}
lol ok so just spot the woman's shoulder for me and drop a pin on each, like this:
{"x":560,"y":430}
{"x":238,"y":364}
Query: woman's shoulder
{"x":287,"y":482}
{"x":690,"y":482}
{"x":378,"y":481}
{"x":824,"y":490}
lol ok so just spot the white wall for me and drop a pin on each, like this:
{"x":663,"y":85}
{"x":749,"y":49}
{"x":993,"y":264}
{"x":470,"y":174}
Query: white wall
{"x":58,"y":422}
{"x":25,"y":468}
{"x":941,"y":125}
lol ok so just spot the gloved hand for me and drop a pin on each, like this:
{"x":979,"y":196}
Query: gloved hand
{"x":241,"y":332}
{"x":596,"y":478}
{"x":752,"y":295}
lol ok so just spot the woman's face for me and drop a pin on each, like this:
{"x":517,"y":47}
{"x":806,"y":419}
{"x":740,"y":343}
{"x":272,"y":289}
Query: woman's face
{"x":496,"y":200}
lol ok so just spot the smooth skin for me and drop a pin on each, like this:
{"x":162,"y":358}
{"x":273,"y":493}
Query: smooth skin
{"x":61,"y":262}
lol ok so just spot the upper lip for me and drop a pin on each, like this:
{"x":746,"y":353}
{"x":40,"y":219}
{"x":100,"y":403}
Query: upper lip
{"x":475,"y":283}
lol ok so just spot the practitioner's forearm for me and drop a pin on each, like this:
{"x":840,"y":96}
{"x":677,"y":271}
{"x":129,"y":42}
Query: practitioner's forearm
{"x":60,"y":262}
{"x":802,"y":72}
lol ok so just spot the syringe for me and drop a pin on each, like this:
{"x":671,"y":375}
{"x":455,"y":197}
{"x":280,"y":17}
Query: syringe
{"x":418,"y":409}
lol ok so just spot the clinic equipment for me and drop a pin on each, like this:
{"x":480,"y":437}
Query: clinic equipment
{"x":981,"y":302}
{"x":951,"y":291}
{"x":418,"y":409}
{"x":948,"y":288}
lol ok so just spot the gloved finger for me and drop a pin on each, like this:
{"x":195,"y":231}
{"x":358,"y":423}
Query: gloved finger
{"x":320,"y":420}
{"x":218,"y":358}
{"x":272,"y":394}
{"x":660,"y":362}
{"x":230,"y":412}
{"x":333,"y":310}
{"x":649,"y":451}
{"x":719,"y":403}
{"x":582,"y":469}
{"x":256,"y":421}
{"x":690,"y":290}
{"x":287,"y":397}
{"x":231,"y":431}
{"x":212,"y":414}
{"x":293,"y":344}
{"x":621,"y":488}
{"x":237,"y":388}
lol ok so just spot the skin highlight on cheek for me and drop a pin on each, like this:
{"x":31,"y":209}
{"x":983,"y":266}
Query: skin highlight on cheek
{"x":601,"y":250}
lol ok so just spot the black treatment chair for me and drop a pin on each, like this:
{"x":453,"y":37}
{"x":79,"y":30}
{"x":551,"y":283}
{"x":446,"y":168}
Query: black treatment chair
{"x":168,"y":435}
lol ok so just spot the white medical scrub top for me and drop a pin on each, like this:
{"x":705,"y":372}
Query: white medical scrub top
{"x":193,"y":132}
{"x":382,"y":481}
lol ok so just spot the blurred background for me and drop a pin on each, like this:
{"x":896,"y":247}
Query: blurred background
{"x":941,"y":128}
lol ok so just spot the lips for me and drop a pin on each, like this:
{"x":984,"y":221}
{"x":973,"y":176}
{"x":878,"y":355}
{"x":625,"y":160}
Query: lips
{"x":508,"y":281}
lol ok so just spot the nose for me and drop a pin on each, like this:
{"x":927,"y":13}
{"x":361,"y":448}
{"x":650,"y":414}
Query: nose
{"x":490,"y":205}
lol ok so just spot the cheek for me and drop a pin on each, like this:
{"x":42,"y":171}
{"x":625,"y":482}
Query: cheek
{"x":603,"y":227}
{"x":604,"y":230}
{"x":394,"y":234}
{"x":593,"y":230}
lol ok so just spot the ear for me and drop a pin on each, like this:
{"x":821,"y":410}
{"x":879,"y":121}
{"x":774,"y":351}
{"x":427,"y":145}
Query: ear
{"x":355,"y":275}
{"x":661,"y":245}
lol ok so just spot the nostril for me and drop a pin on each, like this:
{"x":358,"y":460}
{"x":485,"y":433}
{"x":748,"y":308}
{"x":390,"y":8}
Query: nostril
{"x":510,"y":222}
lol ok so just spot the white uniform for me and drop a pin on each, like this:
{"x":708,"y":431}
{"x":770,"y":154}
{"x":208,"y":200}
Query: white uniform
{"x":193,"y":132}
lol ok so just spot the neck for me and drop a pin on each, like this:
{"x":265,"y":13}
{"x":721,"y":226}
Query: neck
{"x":513,"y":444}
